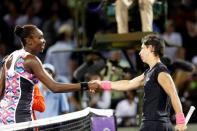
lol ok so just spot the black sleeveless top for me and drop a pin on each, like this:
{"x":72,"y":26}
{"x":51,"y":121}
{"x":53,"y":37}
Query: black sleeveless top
{"x":156,"y":104}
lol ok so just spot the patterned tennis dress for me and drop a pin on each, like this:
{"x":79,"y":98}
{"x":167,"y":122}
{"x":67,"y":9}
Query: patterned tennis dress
{"x":16,"y":104}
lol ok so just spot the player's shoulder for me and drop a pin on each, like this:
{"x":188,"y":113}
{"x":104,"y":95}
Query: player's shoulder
{"x":161,"y":67}
{"x":30,"y":58}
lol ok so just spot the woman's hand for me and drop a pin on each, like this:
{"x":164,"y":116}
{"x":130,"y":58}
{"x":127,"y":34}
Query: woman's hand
{"x":180,"y":127}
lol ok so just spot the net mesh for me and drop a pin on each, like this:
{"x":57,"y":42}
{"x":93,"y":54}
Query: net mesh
{"x":77,"y":121}
{"x":80,"y":124}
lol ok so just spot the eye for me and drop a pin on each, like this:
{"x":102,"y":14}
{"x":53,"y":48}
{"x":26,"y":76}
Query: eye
{"x":40,"y":37}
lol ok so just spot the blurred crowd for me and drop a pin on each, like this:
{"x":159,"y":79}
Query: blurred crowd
{"x":70,"y":24}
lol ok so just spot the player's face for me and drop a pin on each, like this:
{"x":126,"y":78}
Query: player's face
{"x":144,"y":53}
{"x":38,"y":41}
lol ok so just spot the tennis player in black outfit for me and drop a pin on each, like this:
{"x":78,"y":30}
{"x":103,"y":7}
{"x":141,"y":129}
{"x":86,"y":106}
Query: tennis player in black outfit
{"x":159,"y":89}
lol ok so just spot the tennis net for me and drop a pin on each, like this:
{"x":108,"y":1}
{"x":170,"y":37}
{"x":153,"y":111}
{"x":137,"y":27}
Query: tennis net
{"x":89,"y":119}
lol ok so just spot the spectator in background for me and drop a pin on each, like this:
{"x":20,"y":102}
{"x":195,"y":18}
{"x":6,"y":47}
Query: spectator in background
{"x":56,"y":103}
{"x":52,"y":23}
{"x":190,"y":39}
{"x":126,"y":109}
{"x":101,"y":100}
{"x":13,"y":13}
{"x":189,"y":92}
{"x":194,"y":61}
{"x":127,"y":116}
{"x":113,"y":71}
{"x":6,"y":35}
{"x":174,"y":40}
{"x":146,"y":13}
{"x":60,"y":60}
{"x":29,"y":17}
{"x":195,"y":17}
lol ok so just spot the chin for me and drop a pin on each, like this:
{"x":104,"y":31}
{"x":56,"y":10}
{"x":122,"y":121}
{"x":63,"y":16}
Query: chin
{"x":142,"y":60}
{"x":41,"y":50}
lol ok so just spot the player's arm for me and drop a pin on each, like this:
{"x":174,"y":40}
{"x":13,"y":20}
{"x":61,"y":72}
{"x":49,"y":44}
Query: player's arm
{"x":2,"y":80}
{"x":124,"y":85}
{"x":168,"y":85}
{"x":2,"y":76}
{"x":33,"y":64}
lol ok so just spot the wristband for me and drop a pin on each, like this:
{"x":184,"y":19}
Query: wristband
{"x":180,"y":118}
{"x":106,"y":85}
{"x":84,"y":86}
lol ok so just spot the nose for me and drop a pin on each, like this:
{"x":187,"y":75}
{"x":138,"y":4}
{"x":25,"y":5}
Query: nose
{"x":44,"y":41}
{"x":140,"y":53}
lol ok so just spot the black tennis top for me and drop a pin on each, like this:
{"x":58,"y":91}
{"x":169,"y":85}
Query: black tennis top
{"x":156,"y":104}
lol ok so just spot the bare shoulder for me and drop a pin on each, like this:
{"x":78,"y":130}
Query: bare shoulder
{"x":164,"y":77}
{"x":32,"y":63}
{"x":31,"y":58}
{"x":166,"y":82}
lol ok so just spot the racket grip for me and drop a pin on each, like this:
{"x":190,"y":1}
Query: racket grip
{"x":189,"y":114}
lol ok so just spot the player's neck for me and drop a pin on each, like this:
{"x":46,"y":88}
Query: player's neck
{"x":29,"y":50}
{"x":153,"y":62}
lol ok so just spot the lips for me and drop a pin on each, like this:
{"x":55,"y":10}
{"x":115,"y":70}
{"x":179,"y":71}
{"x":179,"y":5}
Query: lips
{"x":43,"y":46}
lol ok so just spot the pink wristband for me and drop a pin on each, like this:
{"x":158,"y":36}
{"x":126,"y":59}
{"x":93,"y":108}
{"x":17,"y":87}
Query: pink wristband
{"x":106,"y":85}
{"x":180,"y":118}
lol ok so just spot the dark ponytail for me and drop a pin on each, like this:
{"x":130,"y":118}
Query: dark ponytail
{"x":24,"y":32}
{"x":19,"y":31}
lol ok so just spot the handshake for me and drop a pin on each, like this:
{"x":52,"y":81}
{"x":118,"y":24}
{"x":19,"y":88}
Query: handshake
{"x":95,"y":85}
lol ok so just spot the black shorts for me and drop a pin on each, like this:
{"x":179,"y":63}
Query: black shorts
{"x":156,"y":126}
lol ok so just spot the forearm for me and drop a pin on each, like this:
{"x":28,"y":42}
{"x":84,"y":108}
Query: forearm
{"x":124,"y":85}
{"x":64,"y":87}
{"x":180,"y":117}
{"x":176,"y":103}
{"x":121,"y":85}
{"x":167,"y":83}
{"x":69,"y":87}
{"x":2,"y":81}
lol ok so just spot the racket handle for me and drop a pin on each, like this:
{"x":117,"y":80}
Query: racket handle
{"x":189,"y":114}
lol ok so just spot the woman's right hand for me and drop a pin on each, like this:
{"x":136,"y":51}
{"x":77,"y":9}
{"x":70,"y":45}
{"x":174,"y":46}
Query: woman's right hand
{"x":93,"y":86}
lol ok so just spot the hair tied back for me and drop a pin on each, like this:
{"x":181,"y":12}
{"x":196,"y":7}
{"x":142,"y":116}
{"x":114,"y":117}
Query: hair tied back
{"x":19,"y":31}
